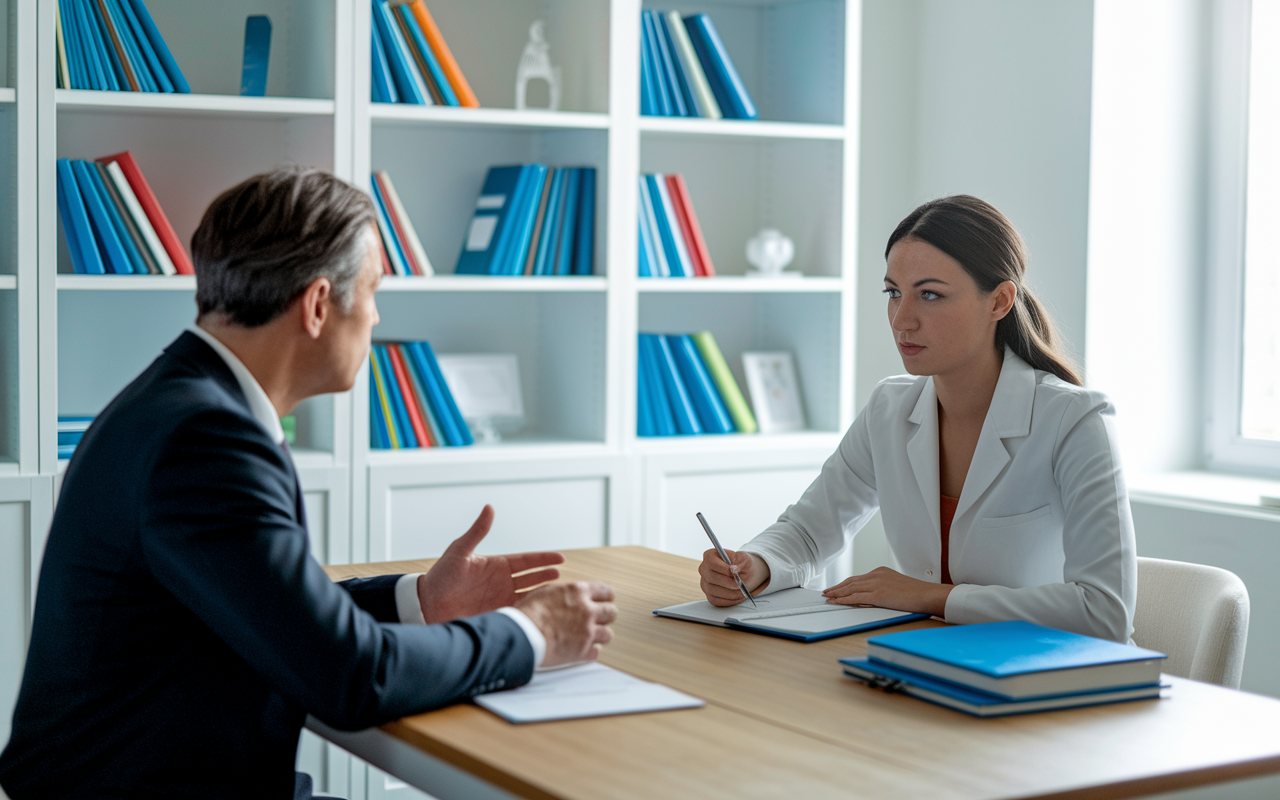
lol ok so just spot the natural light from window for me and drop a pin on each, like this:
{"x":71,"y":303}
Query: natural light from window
{"x":1260,"y":395}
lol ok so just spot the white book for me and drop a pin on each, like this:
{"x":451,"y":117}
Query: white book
{"x":415,"y":244}
{"x":659,"y":267}
{"x":158,"y":252}
{"x":693,"y":67}
{"x":585,"y":690}
{"x":798,"y":613}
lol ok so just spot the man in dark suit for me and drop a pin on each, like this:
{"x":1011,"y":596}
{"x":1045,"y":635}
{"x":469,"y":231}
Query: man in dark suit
{"x":182,"y":630}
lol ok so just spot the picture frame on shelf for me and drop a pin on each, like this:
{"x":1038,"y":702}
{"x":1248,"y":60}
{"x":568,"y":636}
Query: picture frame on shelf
{"x":775,"y":392}
{"x":486,"y":388}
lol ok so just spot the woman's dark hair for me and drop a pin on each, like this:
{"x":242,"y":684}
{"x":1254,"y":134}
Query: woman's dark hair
{"x":262,"y":242}
{"x":986,"y":244}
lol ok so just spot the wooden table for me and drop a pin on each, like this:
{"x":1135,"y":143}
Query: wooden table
{"x":782,"y":720}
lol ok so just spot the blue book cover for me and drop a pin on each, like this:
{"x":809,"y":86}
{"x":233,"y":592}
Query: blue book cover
{"x":681,"y":80}
{"x":114,"y":70}
{"x":85,"y":256}
{"x":662,"y":216}
{"x":725,"y":82}
{"x":702,"y":390}
{"x":105,"y":233}
{"x":171,"y":68}
{"x":384,"y":86}
{"x":650,"y":221}
{"x":667,"y":67}
{"x":547,"y":237}
{"x":648,"y":93}
{"x":567,"y":235}
{"x":424,"y":397}
{"x":402,"y":67}
{"x":70,"y":37}
{"x":438,"y":78}
{"x":436,"y":390}
{"x":124,"y":30}
{"x":137,"y":264}
{"x":527,"y":217}
{"x":98,"y":69}
{"x":666,"y":106}
{"x":158,"y":74}
{"x":77,"y":37}
{"x":664,"y":420}
{"x":512,"y":222}
{"x":404,"y":427}
{"x":584,"y":247}
{"x":659,"y":191}
{"x":642,"y":240}
{"x":492,"y":206}
{"x":645,"y":425}
{"x":257,"y":56}
{"x":382,"y":392}
{"x":380,"y":206}
{"x":677,"y":394}
{"x":450,"y":408}
{"x":70,"y":437}
{"x":379,"y":439}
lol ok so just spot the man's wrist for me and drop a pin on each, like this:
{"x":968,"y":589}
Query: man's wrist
{"x":408,"y":603}
{"x":536,"y":638}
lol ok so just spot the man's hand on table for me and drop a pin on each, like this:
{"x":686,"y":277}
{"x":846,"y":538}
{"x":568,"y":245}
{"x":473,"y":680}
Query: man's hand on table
{"x":463,"y":584}
{"x":574,"y":618}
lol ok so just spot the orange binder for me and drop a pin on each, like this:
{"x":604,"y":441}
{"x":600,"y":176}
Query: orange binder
{"x":461,"y":88}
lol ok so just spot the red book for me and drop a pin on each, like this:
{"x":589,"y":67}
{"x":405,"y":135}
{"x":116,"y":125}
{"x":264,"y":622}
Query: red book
{"x":699,"y":271}
{"x":151,"y":206}
{"x":412,"y":402}
{"x":693,"y":234}
{"x":414,"y":267}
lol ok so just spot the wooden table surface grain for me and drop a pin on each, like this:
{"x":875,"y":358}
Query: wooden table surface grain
{"x":781,"y":719}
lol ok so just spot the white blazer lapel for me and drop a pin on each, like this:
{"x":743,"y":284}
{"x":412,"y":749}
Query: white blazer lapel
{"x":1008,"y":416}
{"x":922,"y":451}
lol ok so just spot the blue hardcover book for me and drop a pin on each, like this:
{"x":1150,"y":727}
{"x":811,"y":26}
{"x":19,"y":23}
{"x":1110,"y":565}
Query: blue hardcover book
{"x":171,"y":68}
{"x":642,"y":241}
{"x":124,"y":30}
{"x":648,"y":93}
{"x":403,"y":70}
{"x":547,"y":237}
{"x":567,"y":235}
{"x":158,"y":74}
{"x":667,"y":67}
{"x":702,"y":390}
{"x":379,"y":439}
{"x":77,"y":38}
{"x":527,"y":217}
{"x":435,"y":394}
{"x":493,"y":205}
{"x":395,"y":439}
{"x":512,"y":223}
{"x":75,"y":67}
{"x":666,"y":106}
{"x":1017,"y":660}
{"x":438,"y":78}
{"x":404,"y":427}
{"x":380,"y":206}
{"x":726,"y":84}
{"x":664,"y":420}
{"x":449,"y":407}
{"x":85,"y":256}
{"x":662,"y":216}
{"x":105,"y":233}
{"x":681,"y":80}
{"x":114,"y":70}
{"x":99,"y":69}
{"x":257,"y":56}
{"x":137,"y":264}
{"x":644,"y":409}
{"x":981,"y":704}
{"x":384,"y":86}
{"x":658,"y":190}
{"x":650,"y":221}
{"x":584,"y":247}
{"x":677,"y":394}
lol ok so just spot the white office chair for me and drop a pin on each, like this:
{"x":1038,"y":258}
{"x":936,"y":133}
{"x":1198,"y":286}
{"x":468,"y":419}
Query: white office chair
{"x":1198,"y":615}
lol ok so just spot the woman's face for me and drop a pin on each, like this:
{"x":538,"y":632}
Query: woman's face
{"x":941,"y":321}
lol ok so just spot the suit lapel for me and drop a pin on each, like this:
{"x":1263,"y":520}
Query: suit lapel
{"x":922,"y":451}
{"x":1009,"y":416}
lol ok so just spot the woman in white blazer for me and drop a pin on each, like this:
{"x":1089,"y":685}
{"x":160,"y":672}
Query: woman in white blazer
{"x":995,"y":471}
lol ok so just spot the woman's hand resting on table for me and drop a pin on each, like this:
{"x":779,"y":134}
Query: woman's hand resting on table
{"x":717,"y":577}
{"x":886,"y":588}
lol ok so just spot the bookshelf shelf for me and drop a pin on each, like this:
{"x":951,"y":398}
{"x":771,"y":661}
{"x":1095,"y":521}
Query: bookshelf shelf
{"x":738,"y":284}
{"x":8,"y":282}
{"x":404,"y":114}
{"x":127,"y":283}
{"x":8,"y":95}
{"x":134,"y":103}
{"x":732,"y":128}
{"x":485,"y":283}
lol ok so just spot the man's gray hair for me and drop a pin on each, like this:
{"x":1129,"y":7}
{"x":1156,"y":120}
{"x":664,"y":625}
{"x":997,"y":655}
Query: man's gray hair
{"x":263,"y":242}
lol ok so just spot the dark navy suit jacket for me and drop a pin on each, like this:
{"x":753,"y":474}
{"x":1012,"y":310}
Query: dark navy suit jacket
{"x":182,"y":630}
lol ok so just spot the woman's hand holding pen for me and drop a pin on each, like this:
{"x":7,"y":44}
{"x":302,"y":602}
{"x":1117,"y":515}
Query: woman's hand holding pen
{"x":886,"y":588}
{"x":717,"y":578}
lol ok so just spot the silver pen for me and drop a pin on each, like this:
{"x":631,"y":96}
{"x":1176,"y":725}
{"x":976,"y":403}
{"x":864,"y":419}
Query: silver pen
{"x":742,"y":586}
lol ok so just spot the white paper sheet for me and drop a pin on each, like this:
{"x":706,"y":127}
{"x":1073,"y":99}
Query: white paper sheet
{"x":587,"y":690}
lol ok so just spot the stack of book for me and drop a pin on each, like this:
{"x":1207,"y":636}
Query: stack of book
{"x":685,"y":70}
{"x":532,"y":220}
{"x":113,"y":45}
{"x":685,"y":387}
{"x":402,"y":252}
{"x":411,"y":62}
{"x":671,"y":242}
{"x":113,"y":222}
{"x":998,"y":668}
{"x":410,"y":404}
{"x":70,"y":432}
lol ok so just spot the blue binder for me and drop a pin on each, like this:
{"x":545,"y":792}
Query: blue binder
{"x":585,"y":244}
{"x":108,"y":240}
{"x":677,"y":395}
{"x":702,"y":390}
{"x":726,"y":85}
{"x":667,"y":67}
{"x":648,"y":92}
{"x":664,"y":420}
{"x":98,"y":68}
{"x":257,"y":56}
{"x":644,"y":408}
{"x":171,"y":68}
{"x":383,"y":89}
{"x":567,"y":236}
{"x":447,"y":409}
{"x":85,"y":257}
{"x":526,"y":217}
{"x":75,"y":68}
{"x":492,"y":207}
{"x":666,"y":106}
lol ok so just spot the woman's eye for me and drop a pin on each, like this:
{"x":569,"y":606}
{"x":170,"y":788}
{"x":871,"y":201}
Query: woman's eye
{"x":894,"y":294}
{"x":928,"y":295}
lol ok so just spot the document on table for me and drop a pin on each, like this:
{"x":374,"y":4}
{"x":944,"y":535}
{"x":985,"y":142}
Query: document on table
{"x":586,"y":690}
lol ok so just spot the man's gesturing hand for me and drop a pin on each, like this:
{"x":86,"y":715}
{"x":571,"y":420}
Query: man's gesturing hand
{"x":574,"y":617}
{"x":463,"y":584}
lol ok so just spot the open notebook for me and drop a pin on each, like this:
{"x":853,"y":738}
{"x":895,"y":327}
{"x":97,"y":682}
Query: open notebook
{"x":801,"y":614}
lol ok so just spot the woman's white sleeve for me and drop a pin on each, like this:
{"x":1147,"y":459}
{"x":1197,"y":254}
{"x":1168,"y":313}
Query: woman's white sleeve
{"x":814,"y":530}
{"x":1099,"y":588}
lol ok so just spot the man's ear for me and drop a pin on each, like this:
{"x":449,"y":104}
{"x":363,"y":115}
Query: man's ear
{"x":315,"y":306}
{"x":1003,"y":298}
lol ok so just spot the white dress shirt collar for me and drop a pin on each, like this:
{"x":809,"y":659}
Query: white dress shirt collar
{"x":259,"y":404}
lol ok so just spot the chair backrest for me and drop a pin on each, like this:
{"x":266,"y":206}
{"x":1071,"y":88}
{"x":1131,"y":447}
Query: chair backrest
{"x":1198,"y":615}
